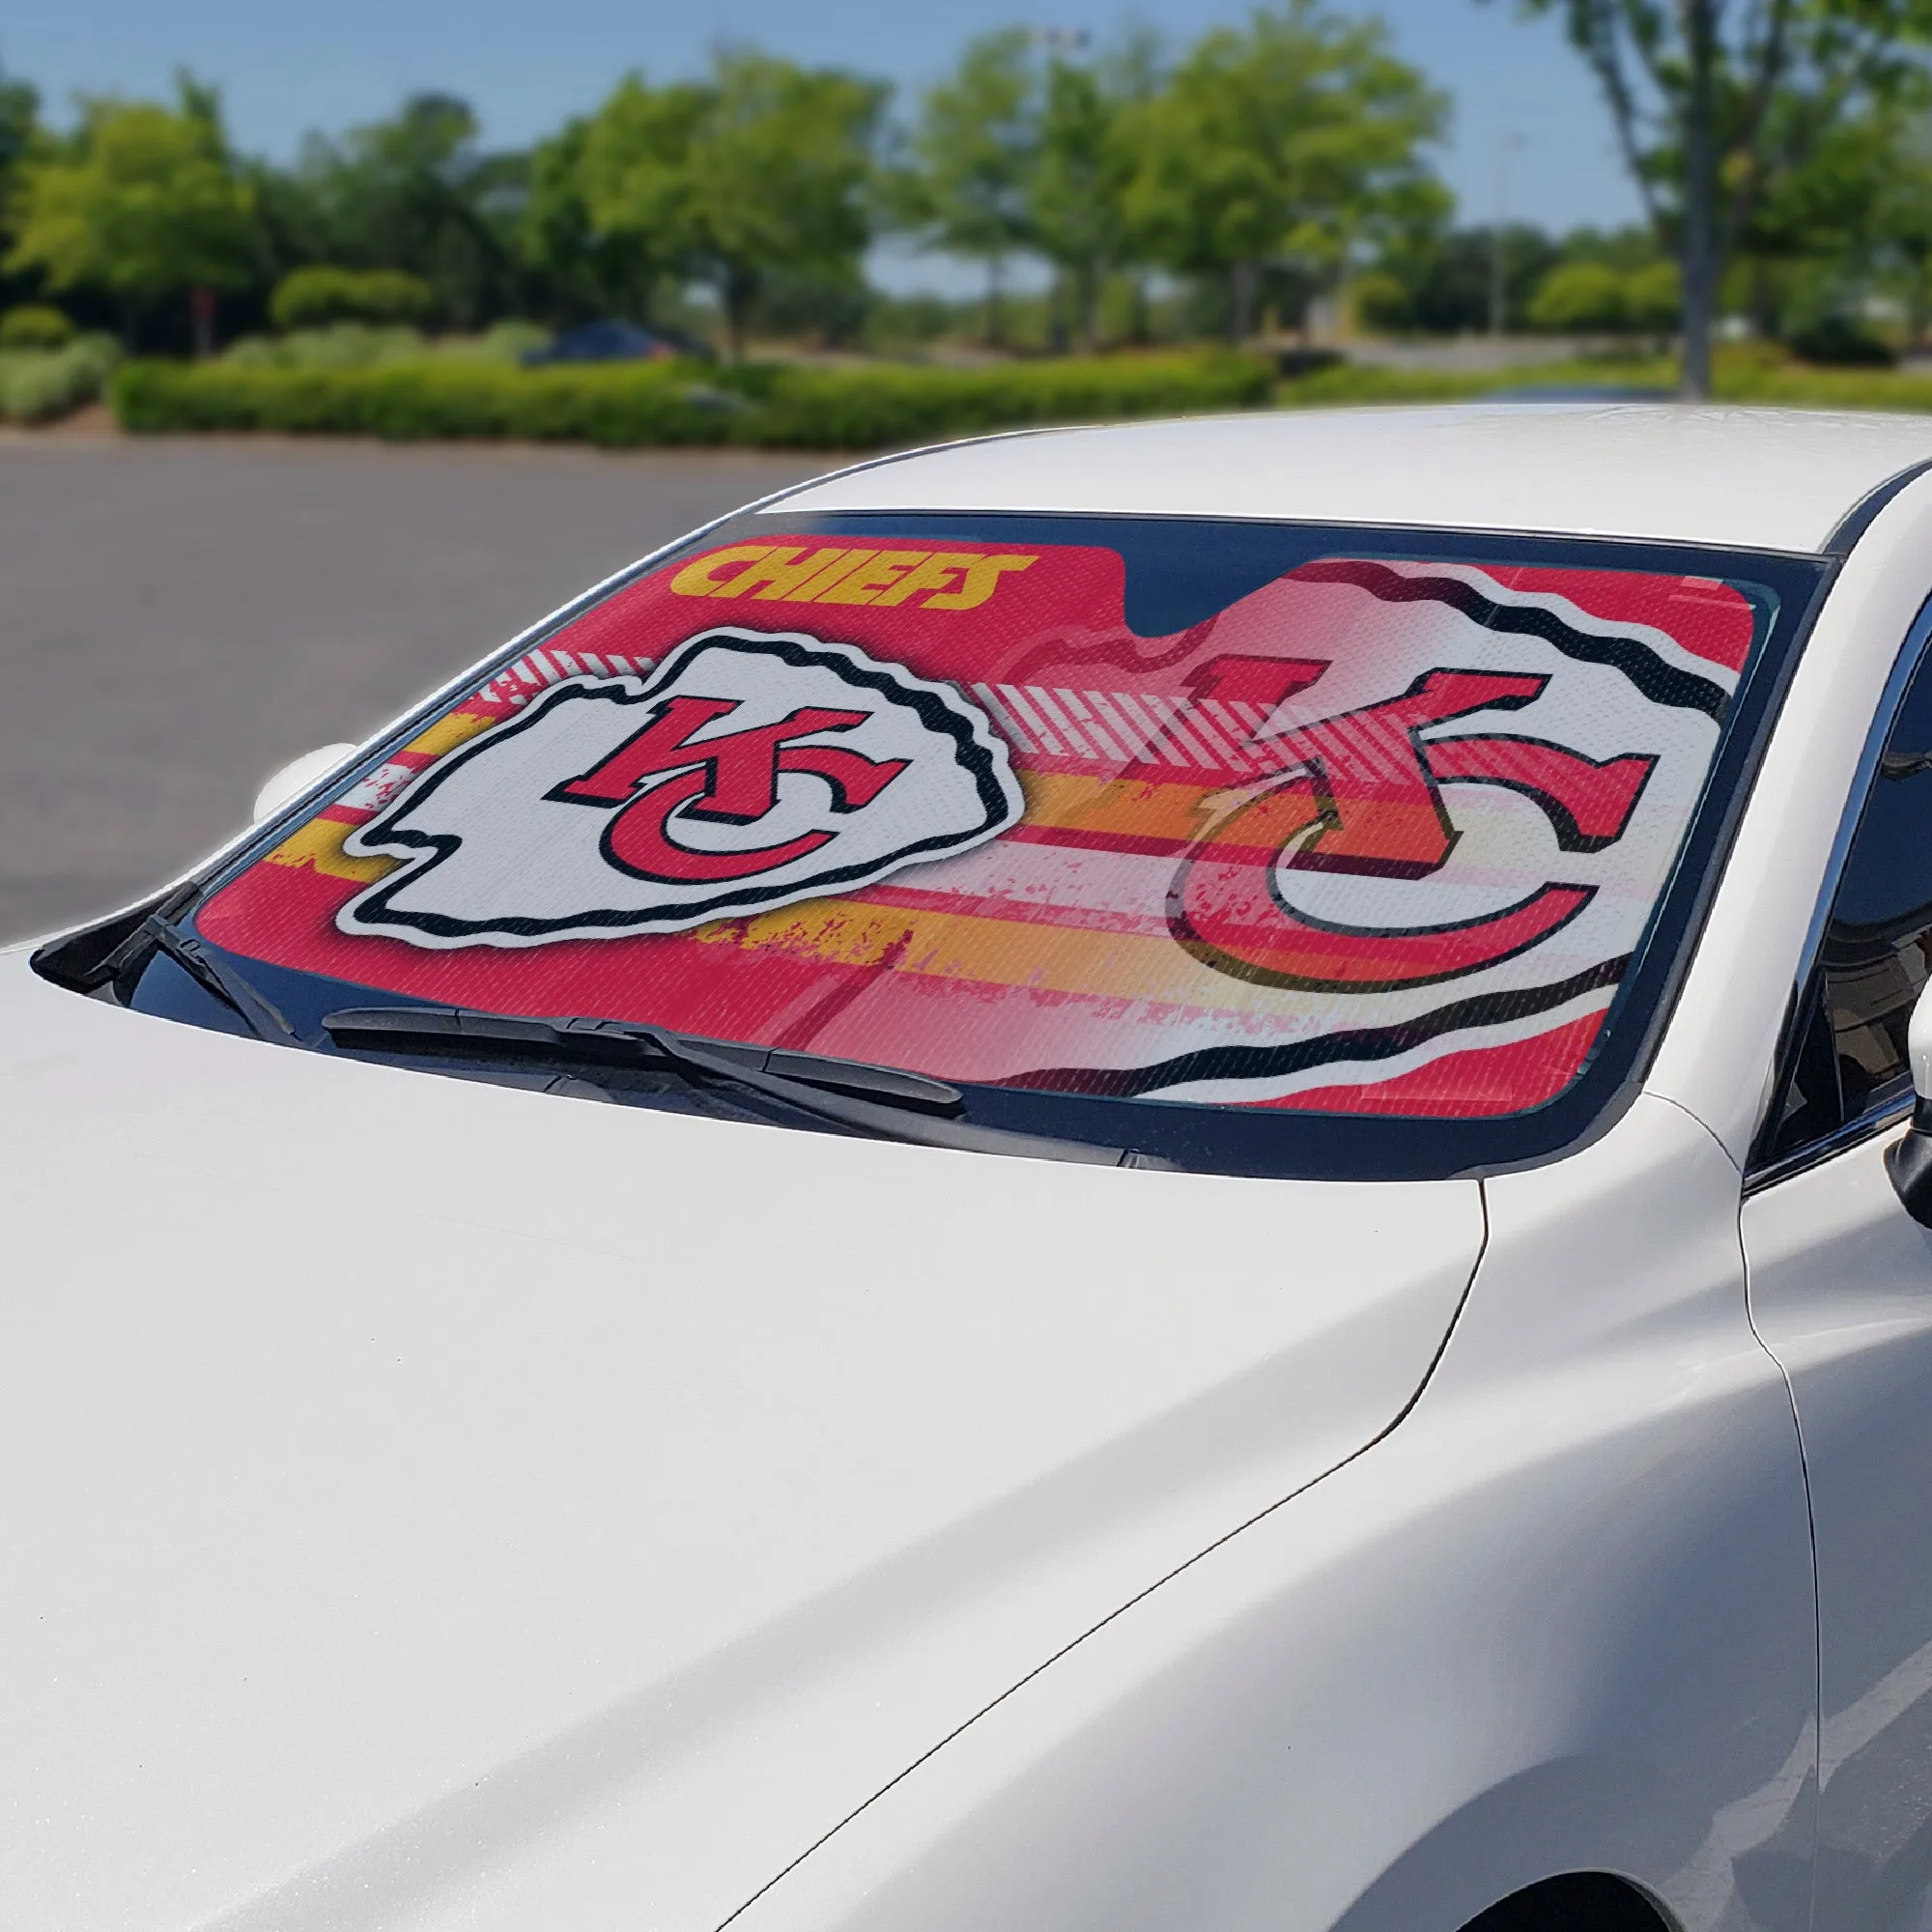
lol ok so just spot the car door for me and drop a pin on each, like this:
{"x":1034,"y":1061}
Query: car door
{"x":1840,"y":1287}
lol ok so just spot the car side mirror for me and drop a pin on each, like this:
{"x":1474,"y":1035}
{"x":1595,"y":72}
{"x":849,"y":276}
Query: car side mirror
{"x":295,"y":777}
{"x":1910,"y":1161}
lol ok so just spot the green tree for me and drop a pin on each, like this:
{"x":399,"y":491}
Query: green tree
{"x":765,"y":169}
{"x":588,"y":271}
{"x":20,"y":136}
{"x":1294,"y":138}
{"x":1580,"y":296}
{"x":316,"y":297}
{"x":1715,"y":110}
{"x":1653,"y":297}
{"x":1446,"y":275}
{"x":1899,"y":215}
{"x":621,"y":194}
{"x":1076,"y":193}
{"x":416,"y":192}
{"x":19,"y":128}
{"x":782,"y":172}
{"x":973,"y":154}
{"x":143,"y":200}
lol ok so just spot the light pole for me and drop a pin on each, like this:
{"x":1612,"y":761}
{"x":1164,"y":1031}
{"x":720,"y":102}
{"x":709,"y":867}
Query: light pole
{"x":1498,"y":231}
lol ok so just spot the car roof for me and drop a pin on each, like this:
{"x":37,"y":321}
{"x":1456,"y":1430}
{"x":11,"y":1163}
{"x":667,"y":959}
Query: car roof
{"x":1768,"y":479}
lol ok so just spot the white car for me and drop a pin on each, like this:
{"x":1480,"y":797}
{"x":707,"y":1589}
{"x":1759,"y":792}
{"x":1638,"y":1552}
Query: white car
{"x":1123,"y":1180}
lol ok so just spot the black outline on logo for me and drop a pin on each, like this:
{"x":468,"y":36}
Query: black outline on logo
{"x":1661,"y":682}
{"x":1231,"y":967}
{"x":978,"y":749}
{"x":1316,"y":769}
{"x":1569,"y":835}
{"x":1328,"y":1050}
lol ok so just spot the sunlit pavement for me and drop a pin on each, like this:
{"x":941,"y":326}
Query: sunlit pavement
{"x":179,"y":618}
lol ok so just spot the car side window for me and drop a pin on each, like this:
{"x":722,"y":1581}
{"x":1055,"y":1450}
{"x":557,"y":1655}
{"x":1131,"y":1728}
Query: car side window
{"x":1847,"y":1057}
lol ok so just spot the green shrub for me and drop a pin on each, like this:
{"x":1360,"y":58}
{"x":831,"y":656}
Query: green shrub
{"x":341,"y":345}
{"x":315,"y":298}
{"x":1842,"y":342}
{"x":35,"y":326}
{"x":506,"y":341}
{"x":637,"y":404}
{"x":1653,"y":297}
{"x":41,"y":385}
{"x":1580,"y":296}
{"x":1356,"y":383}
{"x":361,"y":345}
{"x":1380,"y":300}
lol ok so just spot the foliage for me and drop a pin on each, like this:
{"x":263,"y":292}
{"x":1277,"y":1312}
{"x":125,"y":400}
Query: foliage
{"x":35,"y":326}
{"x":1653,"y":297}
{"x":761,"y":170}
{"x":776,"y":175}
{"x":356,"y":345}
{"x":19,"y":123}
{"x":1718,"y":117}
{"x":142,"y":199}
{"x":416,"y":193}
{"x":1077,"y":193}
{"x":779,"y":405}
{"x":1448,"y":277}
{"x":971,"y":158}
{"x":1296,"y":136}
{"x":20,"y":136}
{"x":316,"y":297}
{"x":1579,"y":295}
{"x":1840,"y":341}
{"x":614,"y":198}
{"x":1380,"y":300}
{"x":37,"y":385}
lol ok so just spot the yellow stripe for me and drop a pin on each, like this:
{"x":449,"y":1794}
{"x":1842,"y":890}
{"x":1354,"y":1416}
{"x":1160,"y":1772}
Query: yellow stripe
{"x":996,"y":951}
{"x":1137,"y":808}
{"x":319,"y":845}
{"x":450,"y":730}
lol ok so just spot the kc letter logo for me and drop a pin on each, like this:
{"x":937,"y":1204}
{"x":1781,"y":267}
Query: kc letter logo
{"x":749,"y":771}
{"x":1361,"y":794}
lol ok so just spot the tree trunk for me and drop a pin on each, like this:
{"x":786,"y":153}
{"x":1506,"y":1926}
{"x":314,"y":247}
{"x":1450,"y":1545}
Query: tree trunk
{"x":739,"y":289}
{"x":996,"y":319}
{"x":1763,"y":299}
{"x":1242,"y":299}
{"x":1701,"y":264}
{"x":201,"y":315}
{"x":1087,"y":293}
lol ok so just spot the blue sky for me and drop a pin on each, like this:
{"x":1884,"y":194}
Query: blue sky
{"x":524,"y":64}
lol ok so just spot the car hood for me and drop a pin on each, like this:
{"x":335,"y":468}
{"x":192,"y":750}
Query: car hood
{"x":432,"y":1503}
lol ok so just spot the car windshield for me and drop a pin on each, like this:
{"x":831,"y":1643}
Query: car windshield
{"x":1274,"y":848}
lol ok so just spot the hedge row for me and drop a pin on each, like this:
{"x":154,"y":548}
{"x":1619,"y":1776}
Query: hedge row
{"x":770,"y":406}
{"x":39,"y":386}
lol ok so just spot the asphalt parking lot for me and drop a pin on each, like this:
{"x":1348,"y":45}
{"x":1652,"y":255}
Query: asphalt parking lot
{"x":177,"y":618}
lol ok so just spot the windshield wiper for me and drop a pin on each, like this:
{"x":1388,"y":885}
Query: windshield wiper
{"x":884,"y":1102}
{"x":213,"y":975}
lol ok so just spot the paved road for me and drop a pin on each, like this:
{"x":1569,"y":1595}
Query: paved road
{"x":178,"y":618}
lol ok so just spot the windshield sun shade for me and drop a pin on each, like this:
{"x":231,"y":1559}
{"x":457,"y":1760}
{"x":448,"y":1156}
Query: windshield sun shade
{"x":1378,"y":833}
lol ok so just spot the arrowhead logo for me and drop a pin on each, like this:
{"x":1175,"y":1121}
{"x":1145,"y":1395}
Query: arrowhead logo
{"x":749,"y":771}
